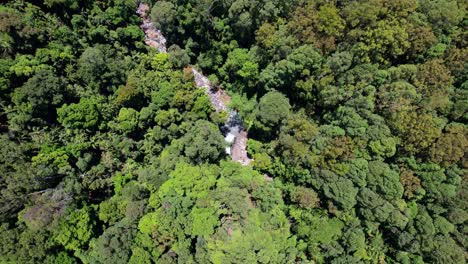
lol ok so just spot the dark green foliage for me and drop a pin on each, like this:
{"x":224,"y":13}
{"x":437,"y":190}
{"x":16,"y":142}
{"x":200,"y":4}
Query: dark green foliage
{"x":36,"y":100}
{"x":203,"y":143}
{"x":272,"y":110}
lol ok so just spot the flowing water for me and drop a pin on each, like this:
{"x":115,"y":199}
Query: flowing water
{"x":235,"y":134}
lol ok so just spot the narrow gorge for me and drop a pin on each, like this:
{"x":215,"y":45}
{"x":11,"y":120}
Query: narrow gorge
{"x":235,"y":134}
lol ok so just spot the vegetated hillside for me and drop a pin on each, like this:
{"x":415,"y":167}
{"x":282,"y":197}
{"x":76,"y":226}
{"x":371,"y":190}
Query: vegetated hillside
{"x":356,"y":113}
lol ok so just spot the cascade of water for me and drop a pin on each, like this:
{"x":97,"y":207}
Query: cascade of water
{"x":233,"y":129}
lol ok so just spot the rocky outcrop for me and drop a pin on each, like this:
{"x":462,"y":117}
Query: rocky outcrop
{"x":153,"y":36}
{"x":239,"y":148}
{"x":219,"y":99}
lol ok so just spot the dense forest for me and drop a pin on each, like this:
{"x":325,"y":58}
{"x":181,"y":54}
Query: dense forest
{"x":356,"y":113}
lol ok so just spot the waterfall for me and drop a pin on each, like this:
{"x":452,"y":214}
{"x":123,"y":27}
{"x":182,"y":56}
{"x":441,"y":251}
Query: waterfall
{"x":235,"y":134}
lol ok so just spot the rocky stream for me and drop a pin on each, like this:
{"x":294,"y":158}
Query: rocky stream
{"x":235,"y":134}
